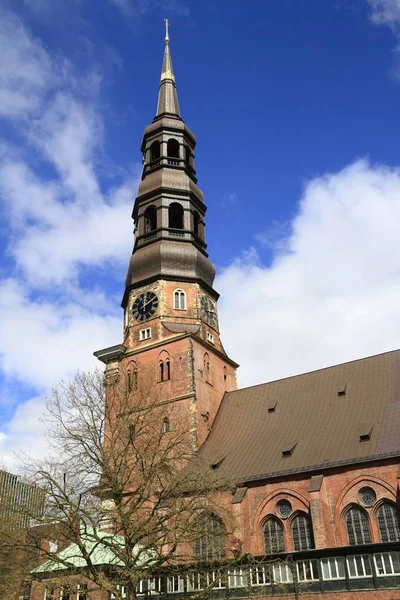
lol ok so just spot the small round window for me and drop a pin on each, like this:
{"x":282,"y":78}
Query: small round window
{"x":367,"y":496}
{"x":284,"y":508}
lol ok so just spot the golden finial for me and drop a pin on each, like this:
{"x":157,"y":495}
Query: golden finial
{"x":166,"y":31}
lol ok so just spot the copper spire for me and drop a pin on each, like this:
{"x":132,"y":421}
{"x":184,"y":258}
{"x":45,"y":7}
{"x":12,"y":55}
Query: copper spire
{"x":167,"y":96}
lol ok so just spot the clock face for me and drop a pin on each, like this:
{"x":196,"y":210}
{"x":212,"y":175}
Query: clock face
{"x":208,"y":311}
{"x":145,"y":306}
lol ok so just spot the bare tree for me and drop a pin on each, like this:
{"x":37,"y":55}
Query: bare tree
{"x":127,"y":496}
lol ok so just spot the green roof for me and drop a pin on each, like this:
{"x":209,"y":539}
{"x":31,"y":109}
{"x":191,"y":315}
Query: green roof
{"x":100,"y":553}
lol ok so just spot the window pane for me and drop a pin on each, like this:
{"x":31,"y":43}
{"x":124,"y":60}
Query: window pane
{"x":302,"y":533}
{"x":389,"y":523}
{"x":273,"y":536}
{"x":357,"y":527}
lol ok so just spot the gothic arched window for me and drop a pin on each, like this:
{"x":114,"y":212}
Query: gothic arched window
{"x":175,"y":216}
{"x":150,"y":219}
{"x":166,"y":427}
{"x":388,"y":517}
{"x":131,"y":377}
{"x":179,"y":300}
{"x":207,"y":367}
{"x":273,"y":536}
{"x":357,"y":526}
{"x":164,"y":366}
{"x":155,"y":150}
{"x":173,"y":148}
{"x":303,"y":538}
{"x":210,"y":545}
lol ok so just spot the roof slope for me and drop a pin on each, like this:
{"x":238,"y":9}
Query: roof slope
{"x":306,"y":415}
{"x":100,"y":546}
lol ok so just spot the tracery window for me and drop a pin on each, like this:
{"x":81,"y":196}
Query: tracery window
{"x":273,"y":536}
{"x":303,"y":538}
{"x":132,"y":377}
{"x":210,"y":545}
{"x":388,"y":517}
{"x":164,"y":367}
{"x":357,"y":526}
{"x":179,"y":300}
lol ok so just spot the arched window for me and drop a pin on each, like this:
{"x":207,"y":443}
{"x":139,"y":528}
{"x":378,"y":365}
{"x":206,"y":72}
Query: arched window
{"x":165,"y":426}
{"x":225,"y":373}
{"x":164,"y":366}
{"x":187,"y":155}
{"x":357,"y":526}
{"x":179,"y":300}
{"x":175,"y":216}
{"x":303,"y":538}
{"x":210,"y":545}
{"x":131,"y":377}
{"x":207,"y":367}
{"x":150,"y":219}
{"x":388,"y":517}
{"x":196,"y":221}
{"x":173,"y":148}
{"x":273,"y":536}
{"x":155,"y":150}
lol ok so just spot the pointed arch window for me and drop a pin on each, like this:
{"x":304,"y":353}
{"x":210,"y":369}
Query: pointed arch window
{"x":155,"y":150}
{"x":210,"y":545}
{"x":302,"y":533}
{"x":132,"y":377}
{"x":173,"y":148}
{"x":388,"y":517}
{"x":150,"y":219}
{"x":179,"y":300}
{"x":207,"y":367}
{"x":175,"y":216}
{"x":357,"y":526}
{"x":166,"y":425}
{"x":273,"y":536}
{"x":164,"y":366}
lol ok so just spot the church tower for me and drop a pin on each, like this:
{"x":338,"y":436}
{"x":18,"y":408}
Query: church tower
{"x":171,"y":348}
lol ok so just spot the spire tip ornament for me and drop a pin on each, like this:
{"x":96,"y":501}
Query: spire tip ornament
{"x":166,"y":31}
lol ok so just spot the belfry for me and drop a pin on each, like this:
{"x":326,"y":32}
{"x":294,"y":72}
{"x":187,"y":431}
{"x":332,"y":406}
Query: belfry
{"x":171,"y":334}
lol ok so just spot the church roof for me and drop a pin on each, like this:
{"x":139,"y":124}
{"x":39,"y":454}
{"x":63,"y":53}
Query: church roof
{"x":334,"y":416}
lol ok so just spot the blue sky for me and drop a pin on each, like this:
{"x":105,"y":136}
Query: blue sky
{"x":295,"y":107}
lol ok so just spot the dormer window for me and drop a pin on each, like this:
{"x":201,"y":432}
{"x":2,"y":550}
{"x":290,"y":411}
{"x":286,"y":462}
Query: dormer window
{"x":179,"y":300}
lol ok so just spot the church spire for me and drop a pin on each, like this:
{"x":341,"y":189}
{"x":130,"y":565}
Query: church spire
{"x":167,"y":96}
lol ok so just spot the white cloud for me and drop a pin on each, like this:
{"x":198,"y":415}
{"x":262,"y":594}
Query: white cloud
{"x":64,"y":208}
{"x":385,"y":12}
{"x":333,"y":294}
{"x":26,"y":74}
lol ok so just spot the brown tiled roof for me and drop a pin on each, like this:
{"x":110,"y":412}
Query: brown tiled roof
{"x":316,"y":418}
